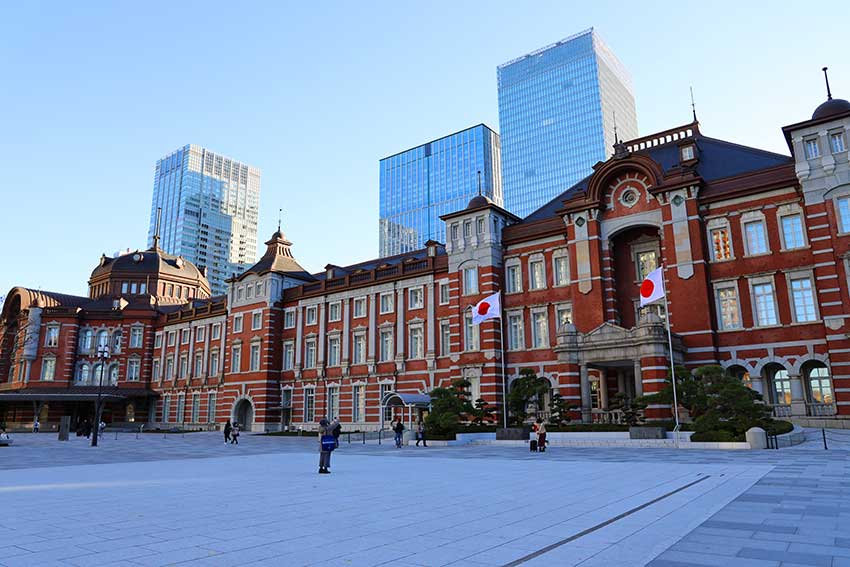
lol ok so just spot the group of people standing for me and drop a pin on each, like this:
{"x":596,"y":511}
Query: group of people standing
{"x":231,"y":433}
{"x":398,"y":428}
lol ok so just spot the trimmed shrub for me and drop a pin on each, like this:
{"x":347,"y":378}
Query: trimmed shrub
{"x":717,"y":436}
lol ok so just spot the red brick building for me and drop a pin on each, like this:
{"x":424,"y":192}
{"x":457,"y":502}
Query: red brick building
{"x":755,"y":247}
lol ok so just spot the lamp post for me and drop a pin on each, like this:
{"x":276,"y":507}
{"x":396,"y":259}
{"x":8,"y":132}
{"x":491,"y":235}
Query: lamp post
{"x":103,"y":354}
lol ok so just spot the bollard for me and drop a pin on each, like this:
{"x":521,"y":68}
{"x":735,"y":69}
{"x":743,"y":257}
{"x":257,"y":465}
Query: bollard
{"x":364,"y":437}
{"x":823,"y":432}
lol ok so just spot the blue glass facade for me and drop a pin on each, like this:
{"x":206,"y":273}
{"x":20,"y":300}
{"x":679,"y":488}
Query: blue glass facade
{"x":422,"y":183}
{"x":557,"y":110}
{"x":210,"y":210}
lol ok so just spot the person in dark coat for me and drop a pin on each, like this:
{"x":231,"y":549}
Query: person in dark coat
{"x":325,"y":428}
{"x":87,"y":428}
{"x":234,"y":434}
{"x":398,"y":428}
{"x":227,"y":429}
{"x":420,"y":433}
{"x":337,"y":431}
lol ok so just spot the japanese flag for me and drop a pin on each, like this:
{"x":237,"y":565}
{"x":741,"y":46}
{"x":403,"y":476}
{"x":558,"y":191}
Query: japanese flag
{"x":487,"y":308}
{"x":652,"y":288}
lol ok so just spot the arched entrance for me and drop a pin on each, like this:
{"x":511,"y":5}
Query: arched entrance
{"x":635,"y":252}
{"x":243,"y":414}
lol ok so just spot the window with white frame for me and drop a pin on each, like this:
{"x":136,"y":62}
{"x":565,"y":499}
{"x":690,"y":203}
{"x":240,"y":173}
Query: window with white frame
{"x":843,"y":213}
{"x":334,"y":311}
{"x":200,"y":334}
{"x":539,"y":328}
{"x":445,"y":338}
{"x":199,"y":365}
{"x":359,"y":307}
{"x":386,"y":344}
{"x":415,"y":298}
{"x":256,"y":321}
{"x":516,"y":331}
{"x":51,"y":339}
{"x":513,"y":276}
{"x":803,"y":299}
{"x":359,"y":349}
{"x":646,"y":260}
{"x":812,"y":148}
{"x":358,"y":397}
{"x":479,"y":223}
{"x":470,"y":333}
{"x":169,"y":367}
{"x":563,"y":314}
{"x":687,"y":152}
{"x":181,"y":408}
{"x":310,"y":353}
{"x":444,"y":293}
{"x":333,"y":402}
{"x":454,"y":231}
{"x":214,"y":363}
{"x":185,"y":334}
{"x":755,"y":237}
{"x":211,"y":407}
{"x":289,"y":319}
{"x":333,"y":350}
{"x":172,"y":338}
{"x":133,"y":369}
{"x":216,"y":331}
{"x":166,"y":408}
{"x":728,"y":308}
{"x":721,"y":240}
{"x":236,"y":358}
{"x":386,"y":303}
{"x":309,"y":404}
{"x":196,"y":408}
{"x":288,"y":355}
{"x":48,"y":368}
{"x":311,"y":315}
{"x":792,"y":231}
{"x":157,"y":340}
{"x":417,"y":342}
{"x":255,"y":357}
{"x":184,"y":366}
{"x":249,"y":292}
{"x":536,"y":273}
{"x":136,"y":337}
{"x":764,"y":302}
{"x":155,"y":370}
{"x":470,"y":280}
{"x":258,"y":289}
{"x":237,"y":324}
{"x":836,"y":142}
{"x":467,"y":228}
{"x":388,"y":410}
{"x":561,"y":267}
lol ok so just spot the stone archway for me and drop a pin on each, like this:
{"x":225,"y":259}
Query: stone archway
{"x":243,"y":414}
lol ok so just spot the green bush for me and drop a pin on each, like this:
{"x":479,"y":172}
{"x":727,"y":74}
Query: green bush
{"x":717,"y":435}
{"x":776,"y":427}
{"x":582,"y":427}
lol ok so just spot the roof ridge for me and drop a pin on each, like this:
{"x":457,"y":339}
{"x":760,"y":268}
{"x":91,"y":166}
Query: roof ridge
{"x":750,"y":149}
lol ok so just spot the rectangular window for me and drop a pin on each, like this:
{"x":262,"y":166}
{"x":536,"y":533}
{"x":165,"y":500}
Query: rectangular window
{"x":155,"y":370}
{"x":136,"y":337}
{"x":333,"y":402}
{"x":812,"y":149}
{"x":286,"y":398}
{"x":133,"y":369}
{"x":52,"y":338}
{"x":539,"y":329}
{"x":288,"y":355}
{"x":470,"y":281}
{"x":444,"y":294}
{"x":200,"y":334}
{"x":765,"y":304}
{"x":249,"y":292}
{"x":310,"y":354}
{"x":333,"y":351}
{"x":516,"y":333}
{"x":480,"y":225}
{"x":236,"y":359}
{"x":470,"y":334}
{"x":258,"y":289}
{"x":237,"y":324}
{"x":172,"y":337}
{"x":792,"y":230}
{"x":185,"y":334}
{"x":166,"y":408}
{"x":562,"y":270}
{"x":309,"y":405}
{"x":687,"y":153}
{"x":211,"y":408}
{"x":358,"y":398}
{"x":467,"y":229}
{"x":289,"y":319}
{"x":415,"y":298}
{"x":184,"y":366}
{"x":844,"y":214}
{"x":756,"y":238}
{"x":454,"y":231}
{"x":417,"y":342}
{"x":214,"y":363}
{"x":256,"y":321}
{"x":804,"y":300}
{"x":359,"y":307}
{"x":181,"y":408}
{"x":196,"y":408}
{"x":563,"y":314}
{"x":216,"y":331}
{"x":646,"y":262}
{"x":727,"y":301}
{"x":48,"y":369}
{"x":310,"y":315}
{"x":513,"y":279}
{"x":836,"y":142}
{"x":359,"y":354}
{"x":157,"y":340}
{"x":721,"y":248}
{"x":255,"y":357}
{"x":386,"y":303}
{"x":386,"y":345}
{"x":536,"y":275}
{"x":334,"y":311}
{"x":388,"y":410}
{"x":445,"y":338}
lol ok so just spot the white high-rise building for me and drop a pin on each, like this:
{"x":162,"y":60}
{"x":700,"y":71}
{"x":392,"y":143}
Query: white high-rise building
{"x":210,"y":209}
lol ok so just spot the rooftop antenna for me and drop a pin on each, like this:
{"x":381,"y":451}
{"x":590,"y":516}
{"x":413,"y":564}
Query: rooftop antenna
{"x":479,"y":182}
{"x":693,"y":106}
{"x":616,"y":138}
{"x":826,"y":78}
{"x":279,"y":213}
{"x":156,"y":231}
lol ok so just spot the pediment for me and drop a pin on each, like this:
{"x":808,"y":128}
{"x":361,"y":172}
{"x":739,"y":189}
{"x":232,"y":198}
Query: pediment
{"x":608,"y":331}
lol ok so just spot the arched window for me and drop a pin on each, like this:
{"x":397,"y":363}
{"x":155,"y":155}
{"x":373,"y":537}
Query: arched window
{"x":102,"y":339}
{"x":113,"y":375}
{"x":741,"y":374}
{"x":116,"y":341}
{"x":780,"y":383}
{"x":97,"y":374}
{"x":819,"y":383}
{"x":83,"y":374}
{"x":86,"y":340}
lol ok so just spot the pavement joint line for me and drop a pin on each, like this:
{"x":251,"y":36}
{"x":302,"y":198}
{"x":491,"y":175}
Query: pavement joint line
{"x":601,"y":525}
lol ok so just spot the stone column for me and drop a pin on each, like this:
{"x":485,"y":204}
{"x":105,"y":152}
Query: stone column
{"x":346,"y":359}
{"x":585,"y":394}
{"x":603,"y":389}
{"x":621,"y":382}
{"x":638,"y":379}
{"x":399,"y":334}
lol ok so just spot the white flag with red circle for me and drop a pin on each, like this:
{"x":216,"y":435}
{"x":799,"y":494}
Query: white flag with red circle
{"x":652,"y":288}
{"x":488,"y":308}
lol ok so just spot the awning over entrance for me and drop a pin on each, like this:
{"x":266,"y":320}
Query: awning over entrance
{"x":75,"y":394}
{"x":394,"y":399}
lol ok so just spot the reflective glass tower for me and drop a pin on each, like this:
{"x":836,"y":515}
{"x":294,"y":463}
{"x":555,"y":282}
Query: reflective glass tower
{"x":210,"y":207}
{"x":557,"y":109}
{"x":422,"y":183}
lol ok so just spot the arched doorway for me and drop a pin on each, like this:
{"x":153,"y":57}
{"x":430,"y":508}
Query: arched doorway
{"x":243,"y":414}
{"x":634,"y":253}
{"x":819,"y":393}
{"x":778,"y":384}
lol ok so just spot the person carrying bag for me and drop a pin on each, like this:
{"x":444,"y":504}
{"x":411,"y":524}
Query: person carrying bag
{"x":327,"y":443}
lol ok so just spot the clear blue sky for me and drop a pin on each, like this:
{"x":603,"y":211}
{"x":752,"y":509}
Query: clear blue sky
{"x":314,"y":94}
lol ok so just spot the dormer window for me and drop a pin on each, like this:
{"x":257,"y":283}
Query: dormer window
{"x":688,"y":153}
{"x":812,"y":149}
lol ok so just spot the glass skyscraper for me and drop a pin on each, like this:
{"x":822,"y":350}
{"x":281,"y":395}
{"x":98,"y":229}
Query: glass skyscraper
{"x":422,"y":183}
{"x":210,"y":208}
{"x":557,"y":108}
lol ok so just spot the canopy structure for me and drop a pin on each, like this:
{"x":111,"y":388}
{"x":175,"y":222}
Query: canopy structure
{"x":410,"y":402}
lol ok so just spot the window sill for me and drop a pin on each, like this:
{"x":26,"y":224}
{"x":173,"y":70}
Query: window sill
{"x":514,"y":292}
{"x":759,"y":255}
{"x":537,"y":289}
{"x":416,"y":308}
{"x":562,"y":285}
{"x":798,"y":249}
{"x":723,"y":261}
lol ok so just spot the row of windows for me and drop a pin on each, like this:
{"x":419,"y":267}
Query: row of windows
{"x":764,"y":303}
{"x":102,"y":340}
{"x":536,"y":275}
{"x":180,"y":408}
{"x":183,"y":367}
{"x":754,"y":233}
{"x":836,"y":145}
{"x":186,"y":334}
{"x":93,"y":374}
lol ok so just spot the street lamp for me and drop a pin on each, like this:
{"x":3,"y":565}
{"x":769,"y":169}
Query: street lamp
{"x":103,"y":354}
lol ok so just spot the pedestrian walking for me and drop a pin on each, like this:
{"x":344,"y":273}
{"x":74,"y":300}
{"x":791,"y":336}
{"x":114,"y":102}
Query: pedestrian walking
{"x":234,"y":434}
{"x":541,"y":435}
{"x":398,"y":428}
{"x":87,"y":428}
{"x":337,"y":431}
{"x":327,"y":444}
{"x":35,"y":425}
{"x":228,"y":428}
{"x":420,"y":433}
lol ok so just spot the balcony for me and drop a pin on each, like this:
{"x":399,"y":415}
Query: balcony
{"x":608,"y":417}
{"x":820,"y":410}
{"x":782,"y":411}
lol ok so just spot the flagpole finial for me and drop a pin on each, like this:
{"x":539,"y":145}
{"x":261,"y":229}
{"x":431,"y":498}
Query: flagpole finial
{"x":826,"y":78}
{"x":693,"y":105}
{"x":279,"y":214}
{"x":479,"y":182}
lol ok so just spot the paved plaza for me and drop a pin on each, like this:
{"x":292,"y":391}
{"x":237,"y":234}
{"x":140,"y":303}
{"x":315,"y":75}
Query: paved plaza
{"x":191,"y":500}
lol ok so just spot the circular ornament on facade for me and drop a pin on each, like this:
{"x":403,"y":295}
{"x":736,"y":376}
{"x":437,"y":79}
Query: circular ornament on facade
{"x":580,"y":221}
{"x":678,"y":200}
{"x":629,"y":197}
{"x":137,"y":258}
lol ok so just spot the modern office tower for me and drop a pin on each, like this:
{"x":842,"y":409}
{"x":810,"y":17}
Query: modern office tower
{"x":440,"y":177}
{"x":557,"y":110}
{"x":210,"y":207}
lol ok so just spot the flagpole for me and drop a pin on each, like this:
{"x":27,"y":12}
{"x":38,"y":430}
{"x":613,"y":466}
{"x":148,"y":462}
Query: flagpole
{"x":672,"y":364}
{"x":504,"y":371}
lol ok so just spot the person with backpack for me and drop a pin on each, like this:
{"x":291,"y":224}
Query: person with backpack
{"x":327,"y":443}
{"x":398,"y":428}
{"x":420,"y":433}
{"x":234,"y":434}
{"x":228,"y":428}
